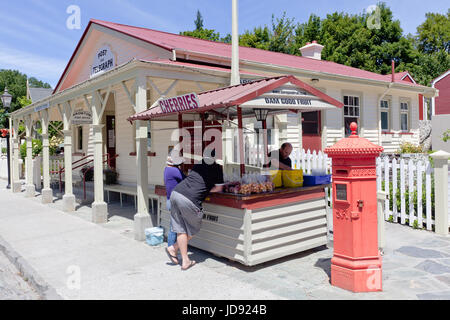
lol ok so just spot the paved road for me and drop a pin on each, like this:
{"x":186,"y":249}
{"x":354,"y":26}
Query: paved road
{"x":12,"y":285}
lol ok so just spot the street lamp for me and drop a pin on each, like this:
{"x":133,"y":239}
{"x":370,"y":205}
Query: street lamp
{"x":261,"y":115}
{"x":6,"y":101}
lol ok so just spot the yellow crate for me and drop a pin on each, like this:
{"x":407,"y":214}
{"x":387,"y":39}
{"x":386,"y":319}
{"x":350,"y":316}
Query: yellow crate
{"x":292,"y":178}
{"x":276,"y":178}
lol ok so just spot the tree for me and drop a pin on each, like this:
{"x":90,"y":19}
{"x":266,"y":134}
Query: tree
{"x":259,"y":38}
{"x":17,"y":87}
{"x":199,"y":21}
{"x":432,"y":45}
{"x":434,"y":34}
{"x":200,"y":32}
{"x":35,"y":83}
{"x":281,"y":38}
{"x":306,"y":32}
{"x":206,"y":34}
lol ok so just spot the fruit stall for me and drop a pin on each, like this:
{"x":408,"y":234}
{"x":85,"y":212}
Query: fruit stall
{"x":264,"y":214}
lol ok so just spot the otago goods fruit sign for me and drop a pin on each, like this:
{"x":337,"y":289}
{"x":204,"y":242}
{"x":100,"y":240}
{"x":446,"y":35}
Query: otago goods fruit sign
{"x":184,"y":102}
{"x":104,"y":61}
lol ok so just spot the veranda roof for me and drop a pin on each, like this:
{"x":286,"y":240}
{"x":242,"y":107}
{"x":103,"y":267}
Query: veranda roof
{"x":269,"y":93}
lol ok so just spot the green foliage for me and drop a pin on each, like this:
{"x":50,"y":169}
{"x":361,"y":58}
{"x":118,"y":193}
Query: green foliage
{"x":259,"y":38}
{"x":202,"y":33}
{"x":36,"y":149}
{"x":199,"y":21}
{"x":446,"y":136}
{"x":23,"y":101}
{"x":52,"y":132}
{"x":206,"y":34}
{"x":406,"y":196}
{"x":348,"y":40}
{"x":17,"y":87}
{"x":408,"y":147}
{"x":281,"y":37}
{"x":35,"y":83}
{"x":434,"y":34}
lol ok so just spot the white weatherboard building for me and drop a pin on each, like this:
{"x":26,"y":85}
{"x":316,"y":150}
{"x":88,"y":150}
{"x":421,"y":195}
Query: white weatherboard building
{"x":118,"y":70}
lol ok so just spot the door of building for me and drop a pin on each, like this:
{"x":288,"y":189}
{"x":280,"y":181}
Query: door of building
{"x":311,"y":131}
{"x":111,"y":139}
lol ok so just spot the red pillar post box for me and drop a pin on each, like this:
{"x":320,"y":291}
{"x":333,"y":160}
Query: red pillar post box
{"x":356,"y":262}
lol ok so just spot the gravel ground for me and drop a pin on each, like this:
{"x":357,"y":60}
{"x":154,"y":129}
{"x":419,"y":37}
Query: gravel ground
{"x":12,"y":285}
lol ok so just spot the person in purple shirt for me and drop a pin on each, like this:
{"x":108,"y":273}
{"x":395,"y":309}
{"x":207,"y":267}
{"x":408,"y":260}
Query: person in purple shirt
{"x":172,"y":176}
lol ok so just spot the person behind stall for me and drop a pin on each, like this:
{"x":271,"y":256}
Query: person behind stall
{"x":186,"y":203}
{"x":172,"y":176}
{"x":279,"y":159}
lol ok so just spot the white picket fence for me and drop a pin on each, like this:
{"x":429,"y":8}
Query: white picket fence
{"x":301,"y":159}
{"x":2,"y":146}
{"x":306,"y":160}
{"x":413,"y":179}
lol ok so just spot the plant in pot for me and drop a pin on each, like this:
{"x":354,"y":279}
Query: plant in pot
{"x":87,"y":172}
{"x":110,"y":176}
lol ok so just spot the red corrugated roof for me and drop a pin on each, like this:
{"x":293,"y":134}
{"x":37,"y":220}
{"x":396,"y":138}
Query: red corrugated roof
{"x":201,"y":66}
{"x":236,"y":95}
{"x":398,"y":77}
{"x":172,"y":41}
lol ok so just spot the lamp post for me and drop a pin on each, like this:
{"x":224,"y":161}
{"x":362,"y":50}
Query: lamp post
{"x":261,"y":115}
{"x":6,"y":101}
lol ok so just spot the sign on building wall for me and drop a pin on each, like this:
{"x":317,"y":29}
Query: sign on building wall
{"x":288,"y":97}
{"x":187,"y":101}
{"x":104,"y":61}
{"x":82,"y":117}
{"x":41,"y":107}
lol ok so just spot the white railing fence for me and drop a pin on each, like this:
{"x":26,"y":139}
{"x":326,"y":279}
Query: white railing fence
{"x":410,"y":189}
{"x":301,"y":159}
{"x":56,"y":163}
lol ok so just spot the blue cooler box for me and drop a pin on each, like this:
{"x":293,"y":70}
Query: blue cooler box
{"x":316,"y":180}
{"x":154,"y":236}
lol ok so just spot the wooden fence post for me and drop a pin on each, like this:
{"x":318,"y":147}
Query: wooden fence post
{"x":441,"y":191}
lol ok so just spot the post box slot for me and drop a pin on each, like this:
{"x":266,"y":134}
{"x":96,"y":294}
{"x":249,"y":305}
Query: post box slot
{"x":342,"y":172}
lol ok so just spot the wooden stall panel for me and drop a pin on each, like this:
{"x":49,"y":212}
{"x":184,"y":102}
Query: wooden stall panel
{"x":285,"y":230}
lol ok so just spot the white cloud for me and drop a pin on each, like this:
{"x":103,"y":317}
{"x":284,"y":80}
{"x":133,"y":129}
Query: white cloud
{"x":35,"y":30}
{"x":152,"y":20}
{"x":43,"y":68}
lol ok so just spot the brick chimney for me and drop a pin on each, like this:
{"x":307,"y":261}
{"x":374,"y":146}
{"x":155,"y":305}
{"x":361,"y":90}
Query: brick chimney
{"x":312,"y":50}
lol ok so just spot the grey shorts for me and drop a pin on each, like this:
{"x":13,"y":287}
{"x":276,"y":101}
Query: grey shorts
{"x":185,"y":216}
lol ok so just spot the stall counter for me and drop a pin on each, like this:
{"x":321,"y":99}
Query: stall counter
{"x":252,"y":229}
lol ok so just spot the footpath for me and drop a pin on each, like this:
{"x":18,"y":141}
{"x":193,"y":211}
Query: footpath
{"x":67,"y":257}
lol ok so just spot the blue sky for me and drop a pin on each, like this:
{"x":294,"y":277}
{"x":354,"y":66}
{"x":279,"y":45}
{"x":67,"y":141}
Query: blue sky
{"x":35,"y":40}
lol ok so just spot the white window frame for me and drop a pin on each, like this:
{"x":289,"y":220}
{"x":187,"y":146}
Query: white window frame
{"x":388,"y":111}
{"x":354,"y":107}
{"x":407,"y":112}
